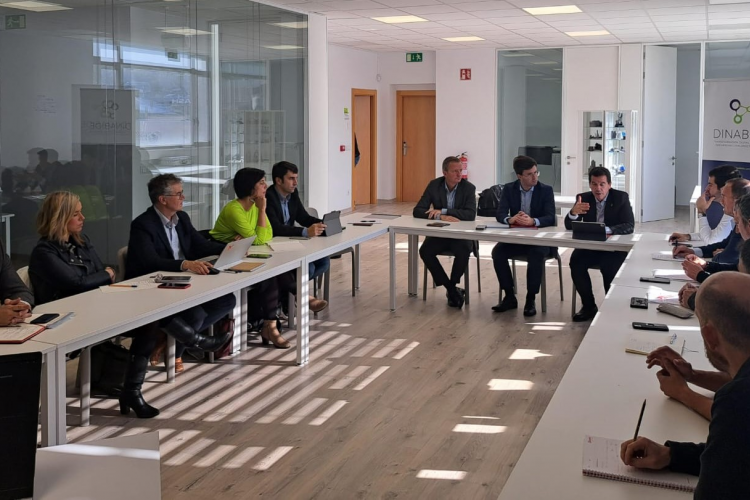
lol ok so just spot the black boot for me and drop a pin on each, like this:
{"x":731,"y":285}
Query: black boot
{"x":131,"y":396}
{"x":185,"y":334}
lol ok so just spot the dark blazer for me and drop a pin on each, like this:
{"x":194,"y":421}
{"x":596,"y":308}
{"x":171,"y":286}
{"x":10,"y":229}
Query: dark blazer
{"x":297,"y":213}
{"x":722,"y":461}
{"x":730,"y":247}
{"x":11,"y":285}
{"x":542,"y":203}
{"x":58,"y":271}
{"x":618,"y":214}
{"x":149,"y":250}
{"x":464,"y":206}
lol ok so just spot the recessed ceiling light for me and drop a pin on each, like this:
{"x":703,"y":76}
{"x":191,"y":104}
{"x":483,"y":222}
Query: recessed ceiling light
{"x":183,"y":30}
{"x":545,"y":11}
{"x":297,"y":25}
{"x":399,"y":19}
{"x":463,"y":39}
{"x":516,"y":54}
{"x":587,"y":33}
{"x":282,"y":47}
{"x":35,"y":6}
{"x":544,"y":62}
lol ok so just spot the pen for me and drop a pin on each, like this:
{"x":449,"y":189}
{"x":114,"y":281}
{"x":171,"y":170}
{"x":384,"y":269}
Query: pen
{"x":124,"y":286}
{"x":298,"y":238}
{"x":640,"y":418}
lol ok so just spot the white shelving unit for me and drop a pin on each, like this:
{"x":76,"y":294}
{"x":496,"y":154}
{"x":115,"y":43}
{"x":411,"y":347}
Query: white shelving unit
{"x":609,"y":140}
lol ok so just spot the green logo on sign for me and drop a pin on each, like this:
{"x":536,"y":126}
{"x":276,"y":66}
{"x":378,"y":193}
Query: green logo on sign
{"x":413,"y":57}
{"x":17,"y":22}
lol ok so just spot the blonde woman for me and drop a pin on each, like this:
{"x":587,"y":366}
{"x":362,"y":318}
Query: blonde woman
{"x":64,"y":262}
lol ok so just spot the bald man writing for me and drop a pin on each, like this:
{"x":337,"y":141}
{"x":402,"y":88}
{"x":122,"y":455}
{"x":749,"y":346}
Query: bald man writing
{"x":722,"y":462}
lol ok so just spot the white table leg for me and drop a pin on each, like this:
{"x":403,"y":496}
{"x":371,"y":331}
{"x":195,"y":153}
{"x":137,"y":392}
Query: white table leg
{"x":356,"y":267}
{"x":303,"y":309}
{"x":237,"y":316}
{"x":243,"y":318}
{"x":49,"y":409}
{"x":392,"y":259}
{"x":85,"y":396}
{"x":169,"y":358}
{"x":413,"y":264}
{"x":60,"y":406}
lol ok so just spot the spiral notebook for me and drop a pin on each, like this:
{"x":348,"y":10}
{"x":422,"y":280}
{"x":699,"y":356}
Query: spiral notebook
{"x":601,"y":458}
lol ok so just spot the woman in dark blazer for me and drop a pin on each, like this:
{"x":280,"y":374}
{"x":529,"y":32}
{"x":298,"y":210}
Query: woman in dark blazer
{"x":63,"y":262}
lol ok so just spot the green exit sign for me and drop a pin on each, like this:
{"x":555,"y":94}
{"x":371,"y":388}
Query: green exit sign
{"x":413,"y":57}
{"x":17,"y":22}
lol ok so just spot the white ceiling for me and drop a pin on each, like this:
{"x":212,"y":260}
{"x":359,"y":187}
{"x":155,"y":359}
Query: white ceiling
{"x":504,"y":25}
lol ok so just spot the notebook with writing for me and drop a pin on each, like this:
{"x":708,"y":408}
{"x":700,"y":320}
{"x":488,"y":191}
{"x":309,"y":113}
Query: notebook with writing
{"x":643,"y":343}
{"x":601,"y":458}
{"x":20,"y":333}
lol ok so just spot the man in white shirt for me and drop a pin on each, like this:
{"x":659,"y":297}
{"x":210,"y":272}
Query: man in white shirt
{"x":717,"y":177}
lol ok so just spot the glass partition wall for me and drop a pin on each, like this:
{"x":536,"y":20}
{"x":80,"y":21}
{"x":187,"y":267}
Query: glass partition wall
{"x":99,"y":96}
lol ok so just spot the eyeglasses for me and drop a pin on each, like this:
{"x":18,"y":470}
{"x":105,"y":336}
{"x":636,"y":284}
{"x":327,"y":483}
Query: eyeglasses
{"x":532,"y":174}
{"x":181,"y":194}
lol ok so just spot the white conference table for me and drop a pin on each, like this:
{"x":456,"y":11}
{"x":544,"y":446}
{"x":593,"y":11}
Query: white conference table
{"x":49,"y":411}
{"x":600,"y":395}
{"x":100,"y":316}
{"x":554,"y":236}
{"x":640,"y":264}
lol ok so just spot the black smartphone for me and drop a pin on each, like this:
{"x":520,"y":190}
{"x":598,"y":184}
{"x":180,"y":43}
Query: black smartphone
{"x":173,"y":279}
{"x":259,"y":255}
{"x":658,"y":327}
{"x":438,"y":224}
{"x":175,"y":286}
{"x":44,"y":318}
{"x":653,"y":279}
{"x":481,"y":227}
{"x":367,"y":224}
{"x":639,"y":302}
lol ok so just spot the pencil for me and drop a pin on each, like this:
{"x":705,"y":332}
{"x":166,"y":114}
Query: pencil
{"x":124,"y":286}
{"x":640,"y":418}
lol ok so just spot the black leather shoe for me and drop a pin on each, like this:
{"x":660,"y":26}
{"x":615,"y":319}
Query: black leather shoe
{"x":134,"y":399}
{"x":529,"y":309}
{"x":455,"y":297}
{"x":585,"y":314}
{"x":214,"y":343}
{"x":508,"y":303}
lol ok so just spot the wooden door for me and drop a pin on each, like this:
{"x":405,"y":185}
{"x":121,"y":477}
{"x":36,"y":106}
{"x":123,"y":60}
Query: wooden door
{"x":415,"y":143}
{"x":362,"y":134}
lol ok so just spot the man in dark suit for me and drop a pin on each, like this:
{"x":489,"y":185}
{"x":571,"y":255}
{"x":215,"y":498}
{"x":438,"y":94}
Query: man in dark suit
{"x":612,"y":207}
{"x":17,"y":300}
{"x":525,"y":203}
{"x":163,"y":239}
{"x":721,"y":463}
{"x":284,"y":208}
{"x":451,"y":199}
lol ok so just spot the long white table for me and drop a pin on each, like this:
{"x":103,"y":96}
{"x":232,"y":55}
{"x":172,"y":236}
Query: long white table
{"x":600,"y":395}
{"x":549,"y":236}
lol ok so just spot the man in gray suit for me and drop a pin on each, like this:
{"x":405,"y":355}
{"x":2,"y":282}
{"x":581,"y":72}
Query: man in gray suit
{"x":17,"y":300}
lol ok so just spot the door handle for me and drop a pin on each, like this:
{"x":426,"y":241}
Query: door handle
{"x":404,"y":147}
{"x":569,"y":157}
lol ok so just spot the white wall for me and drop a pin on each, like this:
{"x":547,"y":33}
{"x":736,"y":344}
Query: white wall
{"x":396,"y":74}
{"x":317,"y":123}
{"x":466,"y":111}
{"x":347,"y":69}
{"x":687,"y":140}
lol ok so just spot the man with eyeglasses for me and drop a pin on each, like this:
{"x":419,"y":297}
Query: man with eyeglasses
{"x":525,"y":203}
{"x":612,"y":207}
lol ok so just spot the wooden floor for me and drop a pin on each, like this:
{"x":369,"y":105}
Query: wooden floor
{"x":390,"y":402}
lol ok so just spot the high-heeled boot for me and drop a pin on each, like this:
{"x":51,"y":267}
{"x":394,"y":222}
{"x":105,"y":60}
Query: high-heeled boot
{"x":269,"y":333}
{"x":131,"y":396}
{"x":186,"y":334}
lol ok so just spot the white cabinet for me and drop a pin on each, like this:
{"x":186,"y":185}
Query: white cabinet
{"x":609,"y":140}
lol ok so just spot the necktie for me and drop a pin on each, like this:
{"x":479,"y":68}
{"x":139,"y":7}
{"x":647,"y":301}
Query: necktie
{"x":600,"y":211}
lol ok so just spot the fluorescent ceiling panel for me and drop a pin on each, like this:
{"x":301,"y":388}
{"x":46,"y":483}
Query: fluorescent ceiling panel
{"x":725,"y":2}
{"x":400,"y":19}
{"x":183,"y":30}
{"x":516,"y":54}
{"x":35,"y":6}
{"x":463,"y":39}
{"x":587,"y":33}
{"x":540,"y":63}
{"x":297,"y":25}
{"x":545,"y":11}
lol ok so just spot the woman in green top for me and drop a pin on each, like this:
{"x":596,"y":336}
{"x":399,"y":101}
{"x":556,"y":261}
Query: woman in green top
{"x":245,"y":217}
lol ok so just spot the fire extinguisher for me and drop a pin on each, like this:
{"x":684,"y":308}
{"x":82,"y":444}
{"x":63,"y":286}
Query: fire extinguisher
{"x":464,"y":165}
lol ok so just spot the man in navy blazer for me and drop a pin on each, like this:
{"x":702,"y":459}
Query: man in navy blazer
{"x":601,"y":204}
{"x":451,"y":199}
{"x":163,"y":239}
{"x":523,"y":203}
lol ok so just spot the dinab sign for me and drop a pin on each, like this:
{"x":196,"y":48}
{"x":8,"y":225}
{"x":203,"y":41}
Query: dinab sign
{"x":726,"y":126}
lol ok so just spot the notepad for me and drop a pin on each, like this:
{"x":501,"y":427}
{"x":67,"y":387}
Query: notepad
{"x":645,"y":342}
{"x":19,"y":334}
{"x":246,"y":267}
{"x":601,"y":458}
{"x":60,"y":319}
{"x":672,"y":274}
{"x":666,"y":255}
{"x":285,"y":245}
{"x":660,"y":296}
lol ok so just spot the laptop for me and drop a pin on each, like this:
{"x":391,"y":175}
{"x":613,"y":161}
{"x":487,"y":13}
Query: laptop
{"x":20,"y":384}
{"x":233,"y":253}
{"x":333,"y":223}
{"x":591,"y":231}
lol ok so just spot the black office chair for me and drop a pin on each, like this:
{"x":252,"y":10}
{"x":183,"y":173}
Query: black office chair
{"x":555,"y":255}
{"x":474,"y":252}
